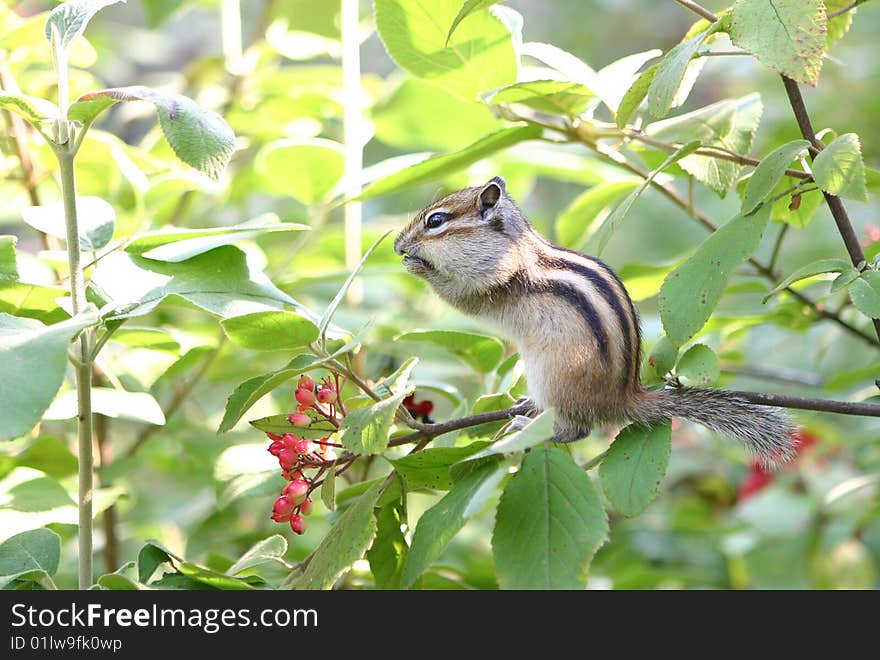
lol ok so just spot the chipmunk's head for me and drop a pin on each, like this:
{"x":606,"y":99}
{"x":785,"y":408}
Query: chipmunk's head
{"x":466,"y":243}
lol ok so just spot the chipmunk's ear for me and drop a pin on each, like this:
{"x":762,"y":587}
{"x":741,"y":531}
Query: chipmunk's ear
{"x":490,"y":193}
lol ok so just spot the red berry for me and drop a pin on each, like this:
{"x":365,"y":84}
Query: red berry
{"x":277,"y":517}
{"x":306,"y":383}
{"x":283,"y":506}
{"x":299,"y":419}
{"x":297,"y":524}
{"x":803,"y":440}
{"x":327,"y":395}
{"x":303,"y":446}
{"x":296,"y":491}
{"x":276,"y":447}
{"x":287,"y":458}
{"x":305,"y":397}
{"x":306,"y":507}
{"x":758,"y":479}
{"x":273,"y":436}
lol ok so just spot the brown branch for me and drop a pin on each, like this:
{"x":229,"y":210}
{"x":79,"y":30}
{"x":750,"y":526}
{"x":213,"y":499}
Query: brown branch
{"x":835,"y":205}
{"x":698,"y":9}
{"x":845,"y":9}
{"x":804,"y":403}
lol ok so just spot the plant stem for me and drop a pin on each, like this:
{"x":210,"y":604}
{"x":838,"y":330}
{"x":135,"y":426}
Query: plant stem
{"x":83,"y":366}
{"x":698,"y":9}
{"x":844,"y":10}
{"x":862,"y":409}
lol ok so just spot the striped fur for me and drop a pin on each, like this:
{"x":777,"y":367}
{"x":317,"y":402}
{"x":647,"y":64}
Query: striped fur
{"x":573,"y":322}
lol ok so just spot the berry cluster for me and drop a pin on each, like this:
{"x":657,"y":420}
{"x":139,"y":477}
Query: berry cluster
{"x":296,"y":454}
{"x":761,"y":477}
{"x":422,"y":409}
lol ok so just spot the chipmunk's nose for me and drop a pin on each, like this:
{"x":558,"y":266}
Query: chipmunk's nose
{"x":400,"y":244}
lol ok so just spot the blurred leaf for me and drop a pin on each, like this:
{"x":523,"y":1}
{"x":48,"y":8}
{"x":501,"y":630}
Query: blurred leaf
{"x":574,"y":222}
{"x":344,"y":544}
{"x":270,"y":549}
{"x":728,"y":124}
{"x":480,"y":352}
{"x":769,"y":173}
{"x":8,"y":264}
{"x":865,"y":293}
{"x":549,"y":524}
{"x":33,"y":301}
{"x":849,"y":565}
{"x":33,"y":359}
{"x":158,"y":11}
{"x":444,"y":165}
{"x":839,"y":170}
{"x":253,"y":389}
{"x":429,"y":468}
{"x":810,"y":270}
{"x":152,"y":338}
{"x":50,"y":455}
{"x":176,"y":244}
{"x":691,"y":291}
{"x":789,"y":37}
{"x":388,"y":552}
{"x":328,"y":489}
{"x":600,"y":239}
{"x":439,"y":524}
{"x":643,"y":281}
{"x":698,"y":366}
{"x":96,"y":221}
{"x":775,"y":513}
{"x":198,"y":137}
{"x":479,"y":57}
{"x":635,"y":465}
{"x":29,"y":555}
{"x":270,"y":330}
{"x":839,"y":25}
{"x":35,"y":110}
{"x":71,"y":18}
{"x":319,"y":165}
{"x":551,"y":96}
{"x":118,"y":404}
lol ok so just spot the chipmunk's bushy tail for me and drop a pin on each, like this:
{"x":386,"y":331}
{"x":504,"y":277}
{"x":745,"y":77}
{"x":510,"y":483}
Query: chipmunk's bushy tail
{"x":766,"y":432}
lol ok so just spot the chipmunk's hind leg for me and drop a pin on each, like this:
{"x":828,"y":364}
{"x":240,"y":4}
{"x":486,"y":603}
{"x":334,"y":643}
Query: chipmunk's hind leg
{"x":565,"y":434}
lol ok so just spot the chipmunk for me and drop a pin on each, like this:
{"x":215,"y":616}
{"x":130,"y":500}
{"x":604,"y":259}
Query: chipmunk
{"x":571,"y":318}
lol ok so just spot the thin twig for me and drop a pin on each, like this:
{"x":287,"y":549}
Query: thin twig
{"x":846,"y":9}
{"x":803,"y":403}
{"x":777,"y":245}
{"x":698,"y":9}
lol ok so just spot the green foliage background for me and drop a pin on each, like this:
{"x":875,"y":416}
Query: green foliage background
{"x":205,"y":498}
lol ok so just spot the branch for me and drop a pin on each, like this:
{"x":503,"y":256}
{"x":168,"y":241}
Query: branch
{"x":804,"y":403}
{"x":835,"y":205}
{"x":698,"y":9}
{"x":845,"y":9}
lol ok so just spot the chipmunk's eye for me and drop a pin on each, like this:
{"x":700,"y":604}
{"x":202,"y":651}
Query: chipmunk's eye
{"x":436,"y":219}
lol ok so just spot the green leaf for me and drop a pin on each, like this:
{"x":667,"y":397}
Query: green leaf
{"x":388,"y":552}
{"x":839,"y":170}
{"x":803,"y":212}
{"x":444,"y":165}
{"x":810,"y":270}
{"x":119,"y":581}
{"x":278,"y":424}
{"x":551,"y":96}
{"x":865,"y":293}
{"x":33,"y":301}
{"x":367,"y":430}
{"x":573,"y":224}
{"x":8,"y":264}
{"x":33,"y":359}
{"x":698,"y":366}
{"x":469,"y":7}
{"x":50,"y":455}
{"x":635,"y":95}
{"x":29,"y":555}
{"x":480,"y":352}
{"x":270,"y":330}
{"x":327,"y":316}
{"x":344,"y":544}
{"x":691,"y":291}
{"x":439,"y":524}
{"x":667,"y":80}
{"x":253,"y":389}
{"x":35,"y":110}
{"x":270,"y":549}
{"x":634,"y":467}
{"x":200,"y":138}
{"x":663,"y":356}
{"x":549,"y":524}
{"x":177,"y":244}
{"x":847,"y":277}
{"x":150,"y":557}
{"x":96,"y":221}
{"x":328,"y":489}
{"x":118,"y":404}
{"x":728,"y":124}
{"x":600,"y":239}
{"x":769,"y":173}
{"x":614,"y":80}
{"x":71,"y":18}
{"x":839,"y":25}
{"x":540,"y":429}
{"x":319,"y":165}
{"x":220,"y":281}
{"x":786,"y":35}
{"x":478,"y":57}
{"x":430,"y":468}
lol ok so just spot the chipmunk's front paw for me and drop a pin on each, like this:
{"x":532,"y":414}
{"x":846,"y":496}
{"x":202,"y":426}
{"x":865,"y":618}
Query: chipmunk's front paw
{"x":525,"y":407}
{"x":565,"y":434}
{"x":517,"y":423}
